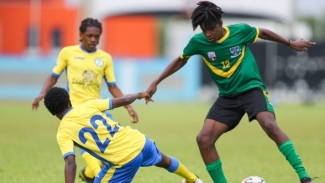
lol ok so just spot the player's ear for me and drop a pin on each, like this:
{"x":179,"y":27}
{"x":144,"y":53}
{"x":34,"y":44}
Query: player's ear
{"x":80,"y":36}
{"x":221,"y":23}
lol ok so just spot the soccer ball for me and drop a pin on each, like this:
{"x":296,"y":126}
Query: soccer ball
{"x":253,"y":179}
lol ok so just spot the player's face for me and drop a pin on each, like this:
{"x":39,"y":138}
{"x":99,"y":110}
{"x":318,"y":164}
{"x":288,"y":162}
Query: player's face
{"x":213,"y":33}
{"x":90,"y":38}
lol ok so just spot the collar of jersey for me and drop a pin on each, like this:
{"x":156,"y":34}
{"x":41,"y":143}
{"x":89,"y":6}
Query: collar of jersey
{"x":66,"y":112}
{"x":87,"y":50}
{"x":225,"y":36}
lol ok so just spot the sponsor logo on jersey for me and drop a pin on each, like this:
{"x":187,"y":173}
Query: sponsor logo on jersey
{"x":89,"y":79}
{"x":236,"y":51}
{"x":99,"y":62}
{"x":79,"y":58}
{"x":212,"y":56}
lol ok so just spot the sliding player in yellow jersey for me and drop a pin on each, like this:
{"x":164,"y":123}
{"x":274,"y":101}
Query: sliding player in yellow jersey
{"x":123,"y":150}
{"x":86,"y":67}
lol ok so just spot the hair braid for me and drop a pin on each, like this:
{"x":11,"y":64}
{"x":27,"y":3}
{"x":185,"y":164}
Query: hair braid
{"x":207,"y":13}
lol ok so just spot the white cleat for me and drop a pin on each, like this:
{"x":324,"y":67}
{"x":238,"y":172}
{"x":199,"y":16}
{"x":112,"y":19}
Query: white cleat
{"x":196,"y":181}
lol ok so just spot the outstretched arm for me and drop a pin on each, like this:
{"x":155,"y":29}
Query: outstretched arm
{"x":116,"y":92}
{"x":130,"y":98}
{"x":298,"y":45}
{"x":174,"y":66}
{"x":70,"y":169}
{"x":48,"y":84}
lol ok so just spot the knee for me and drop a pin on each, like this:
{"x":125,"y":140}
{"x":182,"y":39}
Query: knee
{"x":203,"y":140}
{"x":270,"y":126}
{"x":165,"y":162}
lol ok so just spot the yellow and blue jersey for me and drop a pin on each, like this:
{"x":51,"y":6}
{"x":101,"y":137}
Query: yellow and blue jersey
{"x":85,"y":72}
{"x":87,"y":127}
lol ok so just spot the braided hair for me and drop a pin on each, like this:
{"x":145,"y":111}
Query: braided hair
{"x":56,"y":100}
{"x":207,"y":13}
{"x":90,"y":22}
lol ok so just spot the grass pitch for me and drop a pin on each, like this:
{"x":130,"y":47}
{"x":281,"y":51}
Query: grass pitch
{"x":29,"y":152}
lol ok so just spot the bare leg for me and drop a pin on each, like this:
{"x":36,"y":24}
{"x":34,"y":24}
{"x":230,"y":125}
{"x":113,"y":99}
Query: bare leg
{"x":165,"y":162}
{"x":267,"y":121}
{"x":206,"y":140}
{"x":173,"y":165}
{"x":269,"y":125}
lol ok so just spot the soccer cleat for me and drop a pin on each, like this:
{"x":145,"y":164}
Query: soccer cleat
{"x":84,"y":177}
{"x":198,"y":180}
{"x":306,"y":180}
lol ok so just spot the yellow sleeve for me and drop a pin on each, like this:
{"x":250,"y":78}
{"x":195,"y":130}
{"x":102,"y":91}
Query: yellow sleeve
{"x":182,"y":56}
{"x":66,"y":144}
{"x":61,"y":63}
{"x":109,"y":72}
{"x":102,"y":104}
{"x":257,"y":34}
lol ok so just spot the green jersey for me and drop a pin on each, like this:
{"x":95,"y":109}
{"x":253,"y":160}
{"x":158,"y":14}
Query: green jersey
{"x":229,"y":60}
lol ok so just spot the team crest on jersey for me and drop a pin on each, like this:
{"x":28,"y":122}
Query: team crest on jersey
{"x":236,"y":51}
{"x":99,"y":62}
{"x":212,"y":56}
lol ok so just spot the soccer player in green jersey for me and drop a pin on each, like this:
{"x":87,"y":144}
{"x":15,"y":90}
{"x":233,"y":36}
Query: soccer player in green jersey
{"x":86,"y":67}
{"x":122,"y":149}
{"x":233,"y":69}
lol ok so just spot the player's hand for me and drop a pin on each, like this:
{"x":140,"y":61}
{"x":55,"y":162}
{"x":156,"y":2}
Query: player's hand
{"x":146,"y":96}
{"x":133,"y":114}
{"x":301,"y":44}
{"x":152,"y":89}
{"x":35,"y":104}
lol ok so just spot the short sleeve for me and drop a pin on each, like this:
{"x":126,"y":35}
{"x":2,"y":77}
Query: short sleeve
{"x":65,"y":143}
{"x":249,"y":33}
{"x":190,"y":49}
{"x":102,"y":104}
{"x":61,"y":64}
{"x":109,"y":76}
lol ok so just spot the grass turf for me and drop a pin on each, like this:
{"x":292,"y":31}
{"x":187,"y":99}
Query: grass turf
{"x":29,"y":152}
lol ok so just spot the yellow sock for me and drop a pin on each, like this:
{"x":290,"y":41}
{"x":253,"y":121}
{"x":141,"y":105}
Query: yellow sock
{"x":185,"y":173}
{"x":179,"y":169}
{"x":93,"y":165}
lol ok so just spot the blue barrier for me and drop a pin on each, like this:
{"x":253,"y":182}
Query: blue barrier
{"x":21,"y":78}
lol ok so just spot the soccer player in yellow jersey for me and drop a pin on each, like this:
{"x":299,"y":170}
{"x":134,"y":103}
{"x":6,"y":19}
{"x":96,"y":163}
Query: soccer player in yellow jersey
{"x":86,"y":67}
{"x":123,"y":150}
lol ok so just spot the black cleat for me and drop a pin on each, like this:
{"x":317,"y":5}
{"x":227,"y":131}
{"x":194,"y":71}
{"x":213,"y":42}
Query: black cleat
{"x":307,"y":180}
{"x":84,"y":177}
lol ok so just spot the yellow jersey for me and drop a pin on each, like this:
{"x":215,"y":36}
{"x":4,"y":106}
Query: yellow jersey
{"x":87,"y":127}
{"x":85,"y":72}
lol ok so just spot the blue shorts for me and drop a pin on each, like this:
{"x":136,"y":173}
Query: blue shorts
{"x":108,"y":115}
{"x":149,"y":156}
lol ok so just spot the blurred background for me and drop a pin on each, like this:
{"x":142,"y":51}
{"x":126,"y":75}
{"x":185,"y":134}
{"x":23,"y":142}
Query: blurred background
{"x":143,"y":36}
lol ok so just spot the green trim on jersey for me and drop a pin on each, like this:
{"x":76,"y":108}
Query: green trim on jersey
{"x":230,"y":62}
